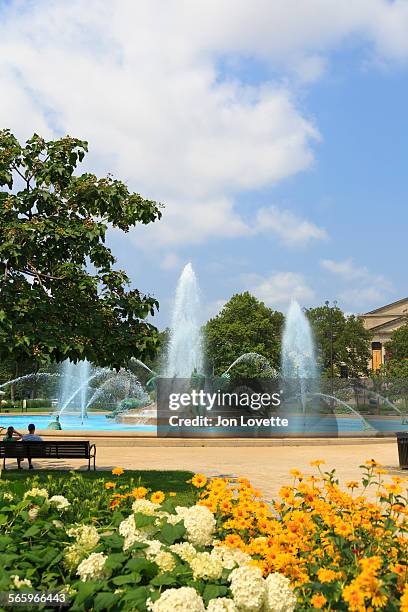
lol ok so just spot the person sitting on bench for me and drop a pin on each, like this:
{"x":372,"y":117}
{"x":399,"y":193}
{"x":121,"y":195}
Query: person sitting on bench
{"x":31,"y":437}
{"x":13,"y":436}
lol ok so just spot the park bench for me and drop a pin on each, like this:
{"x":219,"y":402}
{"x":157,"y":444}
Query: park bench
{"x":58,"y":449}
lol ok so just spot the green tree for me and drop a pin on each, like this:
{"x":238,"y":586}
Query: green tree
{"x":59,"y":294}
{"x":397,"y":347}
{"x":244,"y":325}
{"x":351,"y":341}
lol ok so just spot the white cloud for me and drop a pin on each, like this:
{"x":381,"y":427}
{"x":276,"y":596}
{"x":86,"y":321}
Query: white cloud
{"x":371,"y":288}
{"x":346,"y":269}
{"x":291,"y":229}
{"x":280,"y":288}
{"x":170,"y":261}
{"x":141,"y":81}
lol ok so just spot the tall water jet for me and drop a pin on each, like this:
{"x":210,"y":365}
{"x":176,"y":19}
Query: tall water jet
{"x":185,"y":352}
{"x":298,"y":351}
{"x":74,"y":386}
{"x":299,"y":368}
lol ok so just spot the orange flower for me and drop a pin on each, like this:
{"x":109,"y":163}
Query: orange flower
{"x":157,"y":497}
{"x":117,"y":471}
{"x":110,"y":485}
{"x":318,"y":600}
{"x":114,"y":503}
{"x":139,"y":492}
{"x":198,"y":481}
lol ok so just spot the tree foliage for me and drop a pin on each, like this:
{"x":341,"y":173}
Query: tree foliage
{"x":59,"y":294}
{"x":351,"y":340}
{"x":397,"y":347}
{"x":244,"y":325}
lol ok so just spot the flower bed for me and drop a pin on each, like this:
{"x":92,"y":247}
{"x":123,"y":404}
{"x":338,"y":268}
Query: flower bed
{"x":316,"y":547}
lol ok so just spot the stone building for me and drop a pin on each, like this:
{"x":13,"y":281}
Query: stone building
{"x":382,"y":322}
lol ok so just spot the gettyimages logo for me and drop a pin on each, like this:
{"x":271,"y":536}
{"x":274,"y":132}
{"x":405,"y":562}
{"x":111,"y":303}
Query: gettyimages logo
{"x":218,"y":399}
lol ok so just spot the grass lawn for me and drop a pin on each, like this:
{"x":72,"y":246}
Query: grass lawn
{"x":165,"y":481}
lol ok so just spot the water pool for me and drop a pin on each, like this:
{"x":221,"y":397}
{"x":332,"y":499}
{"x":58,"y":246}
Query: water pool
{"x":99,"y":422}
{"x":94,"y":422}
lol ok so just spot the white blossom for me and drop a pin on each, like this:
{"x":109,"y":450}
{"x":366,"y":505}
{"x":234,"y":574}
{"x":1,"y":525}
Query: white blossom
{"x":92,"y":568}
{"x":248,"y":588}
{"x":184,"y":599}
{"x":279,"y":595}
{"x":20,"y":582}
{"x":59,"y":501}
{"x":199,"y":522}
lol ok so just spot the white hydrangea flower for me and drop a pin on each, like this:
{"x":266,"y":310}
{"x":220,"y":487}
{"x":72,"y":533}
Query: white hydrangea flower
{"x":58,"y":524}
{"x":199,"y":522}
{"x":184,"y":550}
{"x":92,"y":568}
{"x":173,"y":519}
{"x":60,"y":501}
{"x":86,"y":536}
{"x":221,"y":604}
{"x":35,"y":492}
{"x":206,"y":566}
{"x":127,"y":529}
{"x":72,"y":557}
{"x":184,"y":599}
{"x":279,"y":595}
{"x":165,"y":561}
{"x":33,"y":513}
{"x":145,"y":506}
{"x":20,"y":582}
{"x":231,"y":557}
{"x":153,"y":549}
{"x":248,"y":588}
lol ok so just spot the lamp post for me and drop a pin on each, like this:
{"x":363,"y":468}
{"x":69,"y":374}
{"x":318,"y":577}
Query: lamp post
{"x":331,"y":308}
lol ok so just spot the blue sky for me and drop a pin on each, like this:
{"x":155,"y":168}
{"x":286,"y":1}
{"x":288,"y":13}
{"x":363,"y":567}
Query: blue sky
{"x":277,"y":138}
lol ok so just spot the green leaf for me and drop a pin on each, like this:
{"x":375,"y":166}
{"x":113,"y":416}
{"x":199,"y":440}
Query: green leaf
{"x":142,"y":520}
{"x":143,"y":566}
{"x":105,"y":601}
{"x":115,"y":561}
{"x":211,"y":591}
{"x":119,"y":580}
{"x":171,"y":533}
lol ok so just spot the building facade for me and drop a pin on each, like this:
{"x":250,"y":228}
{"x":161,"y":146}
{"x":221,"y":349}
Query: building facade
{"x":382,"y":322}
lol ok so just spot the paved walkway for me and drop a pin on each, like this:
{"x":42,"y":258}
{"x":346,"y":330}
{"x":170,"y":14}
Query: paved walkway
{"x":266,"y":467}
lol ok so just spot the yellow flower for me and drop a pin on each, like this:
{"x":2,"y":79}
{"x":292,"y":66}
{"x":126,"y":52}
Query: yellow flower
{"x":326,"y":575}
{"x":198,"y":481}
{"x":172,"y":494}
{"x":139,"y":492}
{"x":109,"y":485}
{"x":353,"y":595}
{"x":404,"y":600}
{"x":157,"y":497}
{"x":372,"y":462}
{"x":318,"y":600}
{"x":117,"y":471}
{"x":317,"y":462}
{"x":353,"y":484}
{"x":296,"y":474}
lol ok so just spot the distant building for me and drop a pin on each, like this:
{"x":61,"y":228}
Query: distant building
{"x":382,"y":322}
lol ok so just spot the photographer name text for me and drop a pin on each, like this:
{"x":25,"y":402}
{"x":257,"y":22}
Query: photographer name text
{"x":220,"y":421}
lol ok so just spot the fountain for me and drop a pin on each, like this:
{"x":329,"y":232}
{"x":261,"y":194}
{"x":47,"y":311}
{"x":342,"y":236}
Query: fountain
{"x":185,"y":354}
{"x":75,"y":378}
{"x":258,"y":360}
{"x":299,"y":370}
